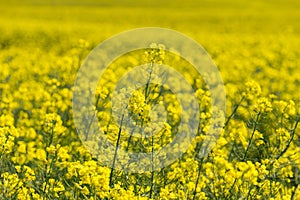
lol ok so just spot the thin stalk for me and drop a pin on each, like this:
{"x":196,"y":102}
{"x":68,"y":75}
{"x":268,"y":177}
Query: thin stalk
{"x":198,"y":177}
{"x":115,"y":154}
{"x":148,"y":82}
{"x":234,"y":111}
{"x":152,"y":137}
{"x":91,"y":121}
{"x":152,"y":168}
{"x":290,"y":140}
{"x":47,"y":158}
{"x":129,"y":139}
{"x":252,"y":135}
{"x":231,"y":188}
{"x":294,"y":192}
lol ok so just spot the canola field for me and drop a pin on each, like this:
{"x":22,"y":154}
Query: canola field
{"x":45,"y":155}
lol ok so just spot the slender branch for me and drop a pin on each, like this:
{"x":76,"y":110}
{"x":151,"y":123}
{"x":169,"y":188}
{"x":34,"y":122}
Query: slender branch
{"x":129,"y":139}
{"x":290,"y":140}
{"x":198,"y":177}
{"x":252,"y":135}
{"x":148,"y":82}
{"x":115,"y":154}
{"x":234,"y":111}
{"x":294,"y":192}
{"x":231,"y":188}
{"x":91,"y":121}
{"x":46,"y":175}
{"x":152,"y":137}
{"x":152,"y":166}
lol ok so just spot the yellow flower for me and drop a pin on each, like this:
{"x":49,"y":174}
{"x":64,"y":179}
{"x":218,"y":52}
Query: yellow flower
{"x":51,"y":149}
{"x":263,"y":105}
{"x":253,"y":90}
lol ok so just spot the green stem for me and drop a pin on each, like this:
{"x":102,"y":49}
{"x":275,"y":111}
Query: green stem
{"x":294,"y":192}
{"x":198,"y":177}
{"x":234,"y":111}
{"x":148,"y":83}
{"x":252,"y":135}
{"x":91,"y":121}
{"x":152,"y":170}
{"x":115,"y":154}
{"x":290,"y":140}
